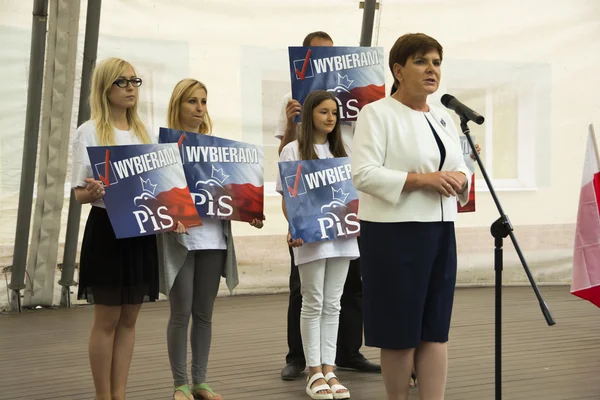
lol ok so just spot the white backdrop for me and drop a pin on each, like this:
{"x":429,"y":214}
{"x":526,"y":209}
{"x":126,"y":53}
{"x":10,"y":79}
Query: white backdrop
{"x":530,"y":66}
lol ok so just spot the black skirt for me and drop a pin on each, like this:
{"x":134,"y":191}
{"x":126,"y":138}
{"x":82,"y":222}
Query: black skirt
{"x":113,"y":271}
{"x":409,"y":275}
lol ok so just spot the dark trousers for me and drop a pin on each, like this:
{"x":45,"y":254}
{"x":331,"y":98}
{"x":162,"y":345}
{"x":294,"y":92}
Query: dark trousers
{"x":350,"y":333}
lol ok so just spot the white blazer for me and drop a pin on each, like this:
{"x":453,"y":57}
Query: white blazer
{"x":392,"y":140}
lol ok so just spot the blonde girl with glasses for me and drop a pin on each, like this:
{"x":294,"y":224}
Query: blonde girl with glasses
{"x":116,"y":275}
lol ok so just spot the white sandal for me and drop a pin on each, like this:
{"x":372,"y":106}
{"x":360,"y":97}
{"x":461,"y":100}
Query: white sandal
{"x":336,"y":387}
{"x":313,"y":391}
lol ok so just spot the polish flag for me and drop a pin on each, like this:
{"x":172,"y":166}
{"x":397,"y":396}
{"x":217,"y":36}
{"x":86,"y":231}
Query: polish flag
{"x":586,"y":256}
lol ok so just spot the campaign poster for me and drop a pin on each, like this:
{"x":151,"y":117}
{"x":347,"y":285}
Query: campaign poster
{"x":225,"y":177}
{"x":321,"y":201}
{"x":466,"y":149}
{"x":355,"y":75}
{"x":145,"y":188}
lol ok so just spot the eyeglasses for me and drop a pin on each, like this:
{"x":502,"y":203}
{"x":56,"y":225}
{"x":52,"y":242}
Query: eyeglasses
{"x":122,"y":82}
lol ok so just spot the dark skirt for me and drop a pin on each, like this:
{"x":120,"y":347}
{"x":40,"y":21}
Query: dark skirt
{"x":409,"y":276}
{"x":115,"y":272}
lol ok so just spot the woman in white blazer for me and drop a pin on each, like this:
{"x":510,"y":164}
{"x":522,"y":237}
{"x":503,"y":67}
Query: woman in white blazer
{"x":408,"y":168}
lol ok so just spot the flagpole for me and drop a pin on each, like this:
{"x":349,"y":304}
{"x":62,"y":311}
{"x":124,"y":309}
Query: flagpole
{"x":595,"y":144}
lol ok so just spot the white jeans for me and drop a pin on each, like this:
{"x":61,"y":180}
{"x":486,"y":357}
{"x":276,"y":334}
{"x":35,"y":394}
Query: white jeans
{"x":322,"y":284}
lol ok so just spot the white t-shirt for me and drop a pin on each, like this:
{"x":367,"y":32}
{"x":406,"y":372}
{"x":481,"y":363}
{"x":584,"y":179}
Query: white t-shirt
{"x":209,"y":236}
{"x":308,"y":252}
{"x":86,"y":136}
{"x":347,"y":128}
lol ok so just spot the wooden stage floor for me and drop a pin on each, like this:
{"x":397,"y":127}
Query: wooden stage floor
{"x":44,"y":352}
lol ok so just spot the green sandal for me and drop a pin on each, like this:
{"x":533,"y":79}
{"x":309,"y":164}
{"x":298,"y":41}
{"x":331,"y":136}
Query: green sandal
{"x":185,"y":389}
{"x":204,"y":386}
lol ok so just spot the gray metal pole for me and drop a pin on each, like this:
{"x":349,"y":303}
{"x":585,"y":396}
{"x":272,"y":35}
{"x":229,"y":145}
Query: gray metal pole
{"x":366,"y":33}
{"x":90,"y":53}
{"x":30,"y":143}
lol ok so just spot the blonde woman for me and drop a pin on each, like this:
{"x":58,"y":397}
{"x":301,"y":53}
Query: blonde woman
{"x":116,"y":275}
{"x":191,"y":265}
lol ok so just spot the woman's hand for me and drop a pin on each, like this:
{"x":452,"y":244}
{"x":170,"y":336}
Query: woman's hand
{"x":294,"y":243}
{"x":445,"y":183}
{"x":478,"y":152}
{"x":94,"y":188}
{"x":257,"y":223}
{"x":462,"y":179}
{"x":180,"y":228}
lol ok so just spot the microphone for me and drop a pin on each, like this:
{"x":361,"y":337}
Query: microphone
{"x":459,"y":108}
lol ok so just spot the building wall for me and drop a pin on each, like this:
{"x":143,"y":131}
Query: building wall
{"x":529,"y":66}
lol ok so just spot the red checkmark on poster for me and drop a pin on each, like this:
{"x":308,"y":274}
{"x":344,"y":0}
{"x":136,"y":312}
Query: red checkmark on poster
{"x":304,"y":66}
{"x":105,"y":179}
{"x":181,"y":139}
{"x":294,"y":191}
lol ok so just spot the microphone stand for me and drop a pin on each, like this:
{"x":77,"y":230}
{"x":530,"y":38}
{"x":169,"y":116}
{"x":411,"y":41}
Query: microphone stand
{"x":500,"y":229}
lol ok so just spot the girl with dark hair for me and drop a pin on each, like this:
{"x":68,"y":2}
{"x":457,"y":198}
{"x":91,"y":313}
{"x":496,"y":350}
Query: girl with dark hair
{"x":323,"y":266}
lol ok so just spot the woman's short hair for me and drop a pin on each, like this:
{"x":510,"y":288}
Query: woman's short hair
{"x":410,"y":45}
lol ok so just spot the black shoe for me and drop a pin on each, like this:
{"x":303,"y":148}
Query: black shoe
{"x":360,"y":365}
{"x":292,"y":372}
